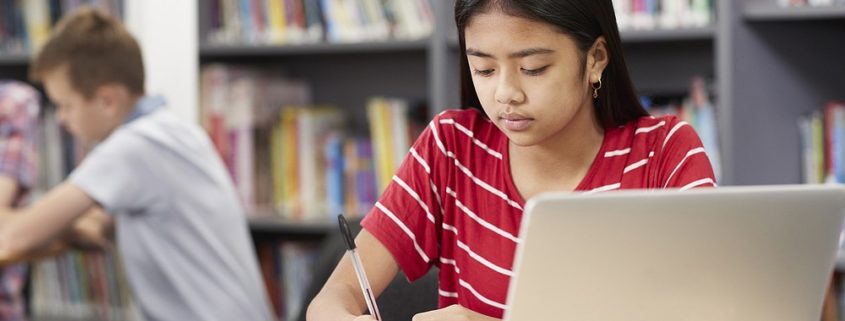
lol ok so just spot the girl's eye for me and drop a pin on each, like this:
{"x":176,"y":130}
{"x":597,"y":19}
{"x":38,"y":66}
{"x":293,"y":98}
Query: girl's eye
{"x":534,"y":72}
{"x":483,"y":73}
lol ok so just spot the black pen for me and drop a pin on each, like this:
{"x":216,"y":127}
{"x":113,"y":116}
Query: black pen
{"x":359,"y":267}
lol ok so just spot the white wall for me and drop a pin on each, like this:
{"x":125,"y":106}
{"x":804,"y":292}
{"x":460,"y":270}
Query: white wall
{"x":167,"y":32}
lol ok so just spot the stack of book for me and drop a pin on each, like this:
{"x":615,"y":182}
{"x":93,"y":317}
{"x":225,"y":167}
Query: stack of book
{"x":281,"y":22}
{"x":663,"y":14}
{"x":292,"y":157}
{"x":823,"y":144}
{"x":25,"y":25}
{"x":81,"y":286}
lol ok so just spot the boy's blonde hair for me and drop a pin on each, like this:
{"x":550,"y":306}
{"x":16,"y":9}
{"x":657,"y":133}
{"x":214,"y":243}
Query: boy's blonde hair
{"x":97,"y":50}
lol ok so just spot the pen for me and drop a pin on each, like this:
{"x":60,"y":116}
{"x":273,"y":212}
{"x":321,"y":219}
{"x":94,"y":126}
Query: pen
{"x":359,"y":268}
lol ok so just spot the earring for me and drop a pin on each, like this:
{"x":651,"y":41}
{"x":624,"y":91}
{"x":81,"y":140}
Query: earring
{"x":596,"y":89}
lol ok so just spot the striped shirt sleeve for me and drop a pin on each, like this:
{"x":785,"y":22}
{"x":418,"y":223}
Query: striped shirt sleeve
{"x":408,"y":216}
{"x":685,"y":164}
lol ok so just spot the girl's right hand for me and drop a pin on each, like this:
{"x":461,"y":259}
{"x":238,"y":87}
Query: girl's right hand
{"x":365,"y":317}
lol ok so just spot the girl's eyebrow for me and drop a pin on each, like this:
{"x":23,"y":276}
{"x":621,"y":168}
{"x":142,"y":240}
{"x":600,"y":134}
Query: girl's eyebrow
{"x":518,"y":54}
{"x":478,"y":53}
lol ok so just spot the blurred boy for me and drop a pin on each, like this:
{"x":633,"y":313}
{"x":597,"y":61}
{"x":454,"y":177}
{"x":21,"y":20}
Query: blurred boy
{"x":180,"y":227}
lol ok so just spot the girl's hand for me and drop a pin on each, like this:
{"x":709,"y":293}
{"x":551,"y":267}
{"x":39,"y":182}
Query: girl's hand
{"x":452,"y":313}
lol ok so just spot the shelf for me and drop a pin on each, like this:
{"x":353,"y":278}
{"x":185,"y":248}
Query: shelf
{"x":228,"y":51}
{"x":278,"y":225}
{"x":61,"y":318}
{"x":667,"y":35}
{"x":763,"y":13}
{"x":16,"y":59}
{"x":650,"y":36}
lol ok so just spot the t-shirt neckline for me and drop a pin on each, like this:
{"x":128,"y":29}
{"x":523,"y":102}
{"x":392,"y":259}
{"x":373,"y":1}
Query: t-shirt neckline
{"x":582,"y":185}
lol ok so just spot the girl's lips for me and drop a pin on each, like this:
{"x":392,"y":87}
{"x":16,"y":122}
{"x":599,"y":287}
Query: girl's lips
{"x":516,"y":123}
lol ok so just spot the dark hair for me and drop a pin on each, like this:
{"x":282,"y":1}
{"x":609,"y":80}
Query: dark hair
{"x":97,"y":50}
{"x":583,"y":20}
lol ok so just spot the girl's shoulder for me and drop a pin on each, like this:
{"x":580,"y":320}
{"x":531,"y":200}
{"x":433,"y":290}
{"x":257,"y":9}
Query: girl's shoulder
{"x":660,"y":124}
{"x":654,"y":133}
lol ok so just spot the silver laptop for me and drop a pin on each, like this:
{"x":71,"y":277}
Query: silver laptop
{"x":726,"y":254}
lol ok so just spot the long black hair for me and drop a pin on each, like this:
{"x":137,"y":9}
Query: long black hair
{"x":583,"y":20}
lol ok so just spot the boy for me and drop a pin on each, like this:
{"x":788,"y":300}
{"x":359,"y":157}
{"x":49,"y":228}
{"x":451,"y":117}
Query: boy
{"x":180,"y":226}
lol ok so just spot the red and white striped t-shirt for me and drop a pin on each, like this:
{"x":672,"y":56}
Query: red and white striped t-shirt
{"x":453,"y":203}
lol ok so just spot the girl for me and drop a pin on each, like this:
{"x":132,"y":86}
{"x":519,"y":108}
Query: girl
{"x":557,"y":112}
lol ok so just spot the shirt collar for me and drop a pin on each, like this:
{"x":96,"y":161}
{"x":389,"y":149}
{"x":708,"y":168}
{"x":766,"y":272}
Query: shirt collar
{"x":146,"y":105}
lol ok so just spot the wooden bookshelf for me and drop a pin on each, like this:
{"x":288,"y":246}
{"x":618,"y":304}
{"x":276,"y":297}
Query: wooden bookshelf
{"x":773,"y":13}
{"x":208,"y":51}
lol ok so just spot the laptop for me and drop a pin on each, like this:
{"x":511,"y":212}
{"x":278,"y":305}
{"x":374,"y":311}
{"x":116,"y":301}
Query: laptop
{"x":726,"y":254}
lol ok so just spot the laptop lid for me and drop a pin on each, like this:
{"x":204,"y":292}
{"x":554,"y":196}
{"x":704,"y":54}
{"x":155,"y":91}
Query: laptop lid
{"x":739,"y":253}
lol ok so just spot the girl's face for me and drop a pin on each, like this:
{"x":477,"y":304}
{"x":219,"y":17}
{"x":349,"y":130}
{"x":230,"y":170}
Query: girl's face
{"x":530,"y":78}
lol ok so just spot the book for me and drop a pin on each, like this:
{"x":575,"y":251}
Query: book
{"x":663,"y":14}
{"x":822,"y":134}
{"x":291,"y":22}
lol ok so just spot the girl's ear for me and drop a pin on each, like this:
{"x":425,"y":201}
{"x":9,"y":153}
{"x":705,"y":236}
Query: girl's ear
{"x":597,"y":59}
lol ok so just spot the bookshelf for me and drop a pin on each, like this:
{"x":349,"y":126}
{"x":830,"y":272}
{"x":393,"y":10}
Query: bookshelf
{"x":16,"y":68}
{"x":665,"y":65}
{"x":270,"y":223}
{"x":775,"y":65}
{"x":211,"y":52}
{"x":761,"y":12}
{"x":346,"y":76}
{"x":13,"y":60}
{"x":421,"y":59}
{"x":674,"y":35}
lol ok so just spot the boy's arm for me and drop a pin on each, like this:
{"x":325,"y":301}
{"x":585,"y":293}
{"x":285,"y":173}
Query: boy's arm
{"x":8,"y":192}
{"x":53,"y":249}
{"x":28,"y":231}
{"x":92,"y":231}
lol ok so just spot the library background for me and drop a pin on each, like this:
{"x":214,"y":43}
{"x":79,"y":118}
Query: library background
{"x":313,"y":103}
